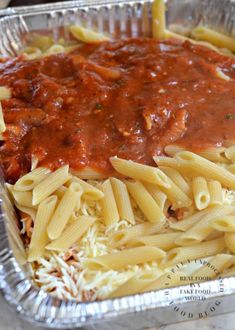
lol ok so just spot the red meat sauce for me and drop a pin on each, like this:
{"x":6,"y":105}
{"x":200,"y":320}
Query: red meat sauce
{"x":128,"y":98}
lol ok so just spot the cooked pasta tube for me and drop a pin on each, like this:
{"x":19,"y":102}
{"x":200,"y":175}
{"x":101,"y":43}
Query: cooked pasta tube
{"x":64,"y":210}
{"x":110,"y":210}
{"x":201,"y":250}
{"x":71,"y":234}
{"x":55,"y":49}
{"x":89,"y":192}
{"x":60,"y":191}
{"x":5,"y":93}
{"x":122,"y":237}
{"x":158,"y":19}
{"x":166,"y":280}
{"x":215,"y":191}
{"x":214,"y":37}
{"x":2,"y":122}
{"x":39,"y":237}
{"x":208,"y":169}
{"x":141,"y":172}
{"x":40,"y":41}
{"x":229,"y":272}
{"x":30,"y":180}
{"x":164,"y":241}
{"x":201,"y":229}
{"x":89,"y":174}
{"x":32,"y":53}
{"x":122,"y":200}
{"x":50,"y":183}
{"x":145,"y":201}
{"x":159,"y":197}
{"x":87,"y":35}
{"x":166,"y":161}
{"x":216,"y":154}
{"x":230,"y":153}
{"x":23,"y":198}
{"x":188,"y":222}
{"x":178,"y":179}
{"x":230,"y":241}
{"x":135,"y":284}
{"x":176,"y":196}
{"x":213,"y":268}
{"x":172,"y":149}
{"x":231,"y":168}
{"x":28,"y":210}
{"x":125,"y":258}
{"x":224,"y":223}
{"x":200,"y":192}
{"x":34,"y":162}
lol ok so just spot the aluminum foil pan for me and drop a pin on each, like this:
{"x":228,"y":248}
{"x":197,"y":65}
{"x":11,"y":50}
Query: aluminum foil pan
{"x":141,"y":311}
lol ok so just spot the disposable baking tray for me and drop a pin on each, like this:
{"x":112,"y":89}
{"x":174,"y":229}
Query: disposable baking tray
{"x":141,"y":311}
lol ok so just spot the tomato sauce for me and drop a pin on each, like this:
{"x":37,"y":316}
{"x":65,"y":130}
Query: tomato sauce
{"x":128,"y":98}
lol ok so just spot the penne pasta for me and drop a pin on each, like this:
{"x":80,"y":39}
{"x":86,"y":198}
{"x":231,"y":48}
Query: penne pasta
{"x":135,"y":284}
{"x":55,"y":49}
{"x":23,"y":198}
{"x":208,"y":169}
{"x":164,"y":241}
{"x":213,"y":37}
{"x":172,"y":150}
{"x":188,"y":222}
{"x":201,"y":250}
{"x":230,"y":153}
{"x":141,"y":172}
{"x":176,"y":196}
{"x":122,"y":237}
{"x":89,"y":192}
{"x":159,"y":197}
{"x":30,"y":211}
{"x":224,"y":223}
{"x":122,"y":200}
{"x":125,"y":258}
{"x":229,"y":272}
{"x":166,"y":161}
{"x":215,"y":191}
{"x":30,"y":180}
{"x":145,"y":201}
{"x":200,"y":192}
{"x":158,"y":19}
{"x":201,"y":229}
{"x":229,"y":238}
{"x":167,"y":280}
{"x":50,"y":184}
{"x":214,"y":267}
{"x":34,"y":162}
{"x":5,"y":93}
{"x":60,"y":191}
{"x":178,"y":179}
{"x":216,"y":154}
{"x":64,"y":210}
{"x":86,"y":35}
{"x":39,"y":237}
{"x":2,"y":122}
{"x":110,"y":210}
{"x":71,"y":234}
{"x":89,"y":174}
{"x":32,"y":53}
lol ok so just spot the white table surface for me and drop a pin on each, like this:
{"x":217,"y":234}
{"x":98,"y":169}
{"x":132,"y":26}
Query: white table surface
{"x":9,"y":320}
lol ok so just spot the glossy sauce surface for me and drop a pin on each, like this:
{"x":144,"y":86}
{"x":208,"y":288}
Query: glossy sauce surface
{"x":129,"y":98}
